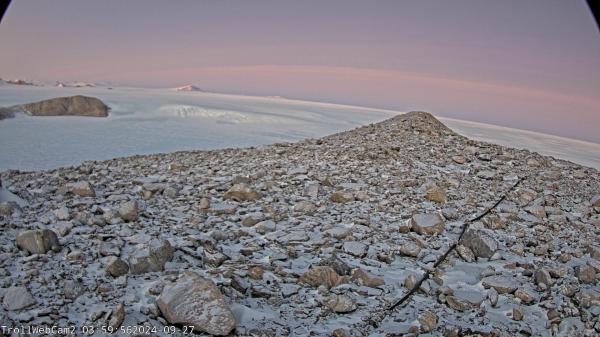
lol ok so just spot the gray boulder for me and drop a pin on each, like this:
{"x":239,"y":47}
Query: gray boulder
{"x":38,"y":241}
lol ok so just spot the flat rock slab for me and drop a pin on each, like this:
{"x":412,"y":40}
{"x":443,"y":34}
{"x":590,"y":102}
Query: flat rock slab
{"x":17,"y":298}
{"x":194,"y":300}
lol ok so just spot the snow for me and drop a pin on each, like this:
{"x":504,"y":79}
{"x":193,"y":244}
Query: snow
{"x":145,"y":121}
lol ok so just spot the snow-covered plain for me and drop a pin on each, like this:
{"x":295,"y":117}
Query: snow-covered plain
{"x":144,"y":121}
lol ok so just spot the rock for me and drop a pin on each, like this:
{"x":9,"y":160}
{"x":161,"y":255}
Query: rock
{"x":311,"y":190}
{"x":72,"y":289}
{"x":152,"y":257}
{"x":492,"y":295}
{"x":204,"y":203}
{"x":196,"y":301}
{"x":129,"y":211}
{"x":524,"y":296}
{"x":340,"y":303}
{"x":256,"y":273}
{"x":502,"y":284}
{"x":339,"y":266}
{"x":304,"y":207}
{"x":585,"y":274}
{"x":355,"y":248}
{"x":595,"y":201}
{"x":410,"y":281}
{"x":465,"y":253}
{"x":410,"y":249}
{"x":80,"y":188}
{"x":459,"y":159}
{"x":322,"y":275}
{"x":428,"y":321}
{"x":481,"y":243}
{"x":241,"y":192}
{"x":265,"y":226}
{"x":363,"y":278}
{"x":517,"y":314}
{"x":542,"y":276}
{"x":116,"y":318}
{"x":436,"y":194}
{"x":117,"y":267}
{"x":341,"y":197}
{"x":457,"y":304}
{"x":38,"y":241}
{"x":427,"y":224}
{"x":17,"y":298}
{"x":594,"y":252}
{"x":62,"y":213}
{"x":68,"y":106}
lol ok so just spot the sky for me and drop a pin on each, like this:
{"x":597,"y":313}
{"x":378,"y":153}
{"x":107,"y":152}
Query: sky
{"x":526,"y":64}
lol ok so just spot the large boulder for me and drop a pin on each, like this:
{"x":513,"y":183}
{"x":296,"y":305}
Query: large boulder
{"x":195,"y":301}
{"x":68,"y":106}
{"x":38,"y":241}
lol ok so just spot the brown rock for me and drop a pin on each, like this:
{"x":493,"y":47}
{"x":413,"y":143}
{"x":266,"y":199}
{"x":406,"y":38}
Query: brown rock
{"x":196,"y":301}
{"x":585,"y":274}
{"x":341,"y":197}
{"x":436,"y":194}
{"x":427,"y":224}
{"x":68,"y":106}
{"x":363,"y":278}
{"x":340,"y":304}
{"x":241,"y":192}
{"x":38,"y":241}
{"x":129,"y":210}
{"x":322,"y":275}
{"x":428,"y":321}
{"x":80,"y":188}
{"x":117,"y":268}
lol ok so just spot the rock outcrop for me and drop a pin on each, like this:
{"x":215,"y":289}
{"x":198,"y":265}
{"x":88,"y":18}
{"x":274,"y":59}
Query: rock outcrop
{"x":67,"y":106}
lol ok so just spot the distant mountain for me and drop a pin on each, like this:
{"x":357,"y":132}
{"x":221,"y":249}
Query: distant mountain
{"x":189,"y":87}
{"x":18,"y":82}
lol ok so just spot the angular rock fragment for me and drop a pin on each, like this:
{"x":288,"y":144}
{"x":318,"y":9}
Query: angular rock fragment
{"x":410,"y":249}
{"x":38,"y":241}
{"x":355,"y":248}
{"x":585,"y":274}
{"x":196,"y":301}
{"x":17,"y":298}
{"x":80,"y":188}
{"x":502,"y":284}
{"x":428,"y":321}
{"x":363,"y":278}
{"x":129,"y":211}
{"x":465,"y":253}
{"x":341,"y":197}
{"x":480,"y":242}
{"x":427,"y":224}
{"x":241,"y":192}
{"x":322,"y":275}
{"x":436,"y":194}
{"x":152,"y":257}
{"x":340,"y":303}
{"x":304,"y":207}
{"x":542,"y":276}
{"x":117,"y":267}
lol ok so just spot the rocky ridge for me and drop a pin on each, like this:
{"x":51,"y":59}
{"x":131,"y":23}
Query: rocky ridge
{"x":78,"y":105}
{"x":320,"y":238}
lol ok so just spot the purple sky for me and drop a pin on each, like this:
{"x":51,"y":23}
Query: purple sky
{"x":526,"y":64}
